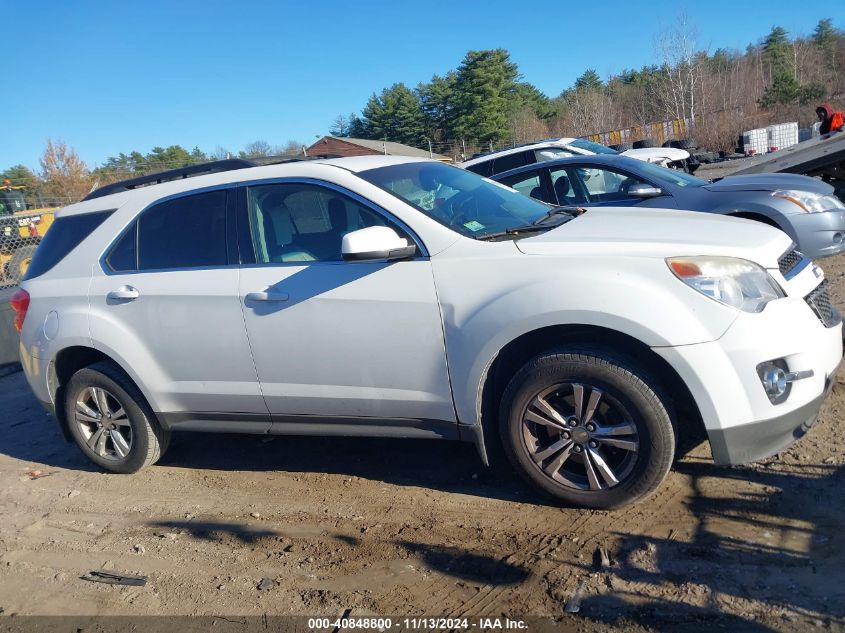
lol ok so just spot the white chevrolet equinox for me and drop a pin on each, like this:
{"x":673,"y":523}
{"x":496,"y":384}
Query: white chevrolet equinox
{"x":395,"y":297}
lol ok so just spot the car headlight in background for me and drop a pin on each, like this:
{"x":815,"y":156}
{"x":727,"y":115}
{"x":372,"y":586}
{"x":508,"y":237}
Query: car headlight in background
{"x":808,"y":201}
{"x":735,"y":282}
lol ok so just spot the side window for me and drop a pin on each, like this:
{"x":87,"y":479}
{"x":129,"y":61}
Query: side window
{"x":124,"y":255}
{"x":567,"y":186}
{"x":605,"y":185}
{"x":304,"y":223}
{"x":482,"y":169}
{"x":512,"y":161}
{"x":185,"y":232}
{"x":526,"y":184}
{"x":65,"y":235}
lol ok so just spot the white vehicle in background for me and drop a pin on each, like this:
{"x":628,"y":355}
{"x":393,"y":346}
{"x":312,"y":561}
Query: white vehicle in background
{"x":549,"y":149}
{"x":397,"y":297}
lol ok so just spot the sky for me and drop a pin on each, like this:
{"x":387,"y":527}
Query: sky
{"x":108,"y":77}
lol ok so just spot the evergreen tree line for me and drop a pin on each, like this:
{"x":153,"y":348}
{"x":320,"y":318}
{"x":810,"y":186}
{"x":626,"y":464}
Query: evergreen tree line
{"x":485,"y":102}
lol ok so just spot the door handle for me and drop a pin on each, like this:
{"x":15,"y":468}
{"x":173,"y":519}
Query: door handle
{"x":124,"y":293}
{"x":266,"y":296}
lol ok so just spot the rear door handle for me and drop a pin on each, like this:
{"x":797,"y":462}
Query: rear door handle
{"x":124,"y":293}
{"x":266,"y":296}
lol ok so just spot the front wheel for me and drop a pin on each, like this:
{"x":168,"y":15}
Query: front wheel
{"x":587,"y":427}
{"x":111,"y":421}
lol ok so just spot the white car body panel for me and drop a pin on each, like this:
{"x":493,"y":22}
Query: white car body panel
{"x":356,"y":339}
{"x":415,"y":339}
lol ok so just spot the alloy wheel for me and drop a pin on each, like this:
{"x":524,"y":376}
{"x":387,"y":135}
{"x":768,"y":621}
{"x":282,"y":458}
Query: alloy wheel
{"x":103,"y":423}
{"x":580,"y":436}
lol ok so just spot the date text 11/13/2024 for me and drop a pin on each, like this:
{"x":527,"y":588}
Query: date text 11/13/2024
{"x":384,"y":624}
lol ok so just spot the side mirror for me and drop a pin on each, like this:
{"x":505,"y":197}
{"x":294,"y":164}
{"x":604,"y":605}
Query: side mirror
{"x":375,"y":242}
{"x":642,"y":190}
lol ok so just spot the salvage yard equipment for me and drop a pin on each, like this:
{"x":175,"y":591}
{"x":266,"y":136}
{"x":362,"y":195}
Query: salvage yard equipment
{"x":21,"y":231}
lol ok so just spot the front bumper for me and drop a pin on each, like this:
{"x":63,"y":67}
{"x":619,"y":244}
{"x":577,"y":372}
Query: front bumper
{"x":819,"y":234}
{"x":755,"y":441}
{"x":741,"y":422}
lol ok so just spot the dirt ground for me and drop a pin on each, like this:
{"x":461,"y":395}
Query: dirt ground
{"x":399,"y":527}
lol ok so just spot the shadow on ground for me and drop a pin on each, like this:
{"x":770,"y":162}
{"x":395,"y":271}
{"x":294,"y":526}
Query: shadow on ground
{"x":783,"y":548}
{"x":28,"y":433}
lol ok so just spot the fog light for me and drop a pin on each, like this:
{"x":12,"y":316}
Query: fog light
{"x":774,"y":380}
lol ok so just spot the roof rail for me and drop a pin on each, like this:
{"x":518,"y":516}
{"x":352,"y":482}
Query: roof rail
{"x":200,"y":169}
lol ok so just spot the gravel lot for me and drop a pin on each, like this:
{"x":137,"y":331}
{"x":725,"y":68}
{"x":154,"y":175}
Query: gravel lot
{"x":414,"y":527}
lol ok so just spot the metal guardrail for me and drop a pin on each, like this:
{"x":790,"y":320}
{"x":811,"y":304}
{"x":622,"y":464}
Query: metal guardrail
{"x":20,"y":234}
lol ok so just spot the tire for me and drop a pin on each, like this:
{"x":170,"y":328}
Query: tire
{"x":645,"y":143}
{"x":621,"y":147}
{"x":16,"y":268}
{"x":637,"y":453}
{"x":142,"y":441}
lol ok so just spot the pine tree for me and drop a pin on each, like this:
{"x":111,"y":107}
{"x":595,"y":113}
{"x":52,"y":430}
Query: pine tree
{"x":484,"y":88}
{"x":395,"y":115}
{"x":589,"y":80}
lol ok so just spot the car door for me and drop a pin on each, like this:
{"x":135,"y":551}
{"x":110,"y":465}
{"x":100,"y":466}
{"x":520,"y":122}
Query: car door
{"x":335,"y":341}
{"x":531,"y":184}
{"x":604,"y":186}
{"x":165,"y":298}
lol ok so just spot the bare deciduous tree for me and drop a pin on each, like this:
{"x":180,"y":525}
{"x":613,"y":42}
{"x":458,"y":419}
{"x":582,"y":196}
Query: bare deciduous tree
{"x":65,"y":177}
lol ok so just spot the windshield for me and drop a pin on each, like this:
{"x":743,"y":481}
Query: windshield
{"x":463,"y":201}
{"x":11,"y":201}
{"x":595,"y":148}
{"x":669,"y":176}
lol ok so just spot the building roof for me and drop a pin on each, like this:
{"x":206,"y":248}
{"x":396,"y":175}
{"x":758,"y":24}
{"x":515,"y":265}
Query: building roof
{"x":389,"y":147}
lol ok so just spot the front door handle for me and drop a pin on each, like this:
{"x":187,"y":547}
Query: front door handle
{"x":124,"y":293}
{"x":266,"y":296}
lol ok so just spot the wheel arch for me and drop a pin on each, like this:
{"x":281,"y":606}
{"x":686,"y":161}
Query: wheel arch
{"x":66,"y":363}
{"x":520,"y":350}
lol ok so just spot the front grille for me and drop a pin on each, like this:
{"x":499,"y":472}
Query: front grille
{"x":819,"y":302}
{"x":788,"y":261}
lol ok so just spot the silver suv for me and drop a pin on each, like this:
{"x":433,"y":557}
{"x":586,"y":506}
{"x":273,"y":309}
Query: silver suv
{"x":390,"y":296}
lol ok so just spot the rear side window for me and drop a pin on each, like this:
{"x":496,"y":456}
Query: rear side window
{"x":482,"y":169}
{"x":124,"y":254}
{"x":512,"y":161}
{"x":64,"y":235}
{"x":186,"y":232}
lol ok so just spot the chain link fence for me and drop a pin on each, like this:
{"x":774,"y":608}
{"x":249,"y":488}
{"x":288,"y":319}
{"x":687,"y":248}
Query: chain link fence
{"x":20,"y":234}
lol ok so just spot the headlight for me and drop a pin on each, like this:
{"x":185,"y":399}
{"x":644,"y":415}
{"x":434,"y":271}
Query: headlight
{"x":809,"y":201}
{"x":735,"y":282}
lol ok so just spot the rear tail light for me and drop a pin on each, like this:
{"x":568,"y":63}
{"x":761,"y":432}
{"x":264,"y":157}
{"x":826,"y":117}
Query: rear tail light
{"x":20,"y":304}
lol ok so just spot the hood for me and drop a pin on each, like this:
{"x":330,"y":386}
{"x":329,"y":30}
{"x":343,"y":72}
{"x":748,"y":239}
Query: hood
{"x":660,"y":233}
{"x":770,"y":182}
{"x":657,"y":154}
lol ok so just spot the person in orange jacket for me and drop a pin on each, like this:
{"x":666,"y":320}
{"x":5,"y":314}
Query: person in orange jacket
{"x":831,"y":121}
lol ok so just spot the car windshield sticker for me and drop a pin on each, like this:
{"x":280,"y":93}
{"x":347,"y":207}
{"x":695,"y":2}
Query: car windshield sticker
{"x":474,"y":226}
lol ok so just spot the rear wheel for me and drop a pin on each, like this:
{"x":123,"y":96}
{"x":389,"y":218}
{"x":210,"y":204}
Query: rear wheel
{"x":111,"y":421}
{"x":19,"y":263}
{"x":587,"y":428}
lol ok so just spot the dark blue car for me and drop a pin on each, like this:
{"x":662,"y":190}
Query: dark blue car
{"x":804,"y":208}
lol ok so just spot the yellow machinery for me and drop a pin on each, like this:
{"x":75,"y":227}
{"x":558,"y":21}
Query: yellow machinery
{"x":21,"y":230}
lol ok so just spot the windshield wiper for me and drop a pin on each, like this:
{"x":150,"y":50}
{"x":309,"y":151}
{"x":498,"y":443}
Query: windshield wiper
{"x":559,"y":210}
{"x":528,"y":228}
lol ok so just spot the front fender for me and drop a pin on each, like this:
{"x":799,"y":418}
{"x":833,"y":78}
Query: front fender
{"x":485,"y":311}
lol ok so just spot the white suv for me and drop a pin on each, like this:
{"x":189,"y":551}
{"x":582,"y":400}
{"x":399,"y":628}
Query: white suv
{"x":553,"y":148}
{"x":389,"y":296}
